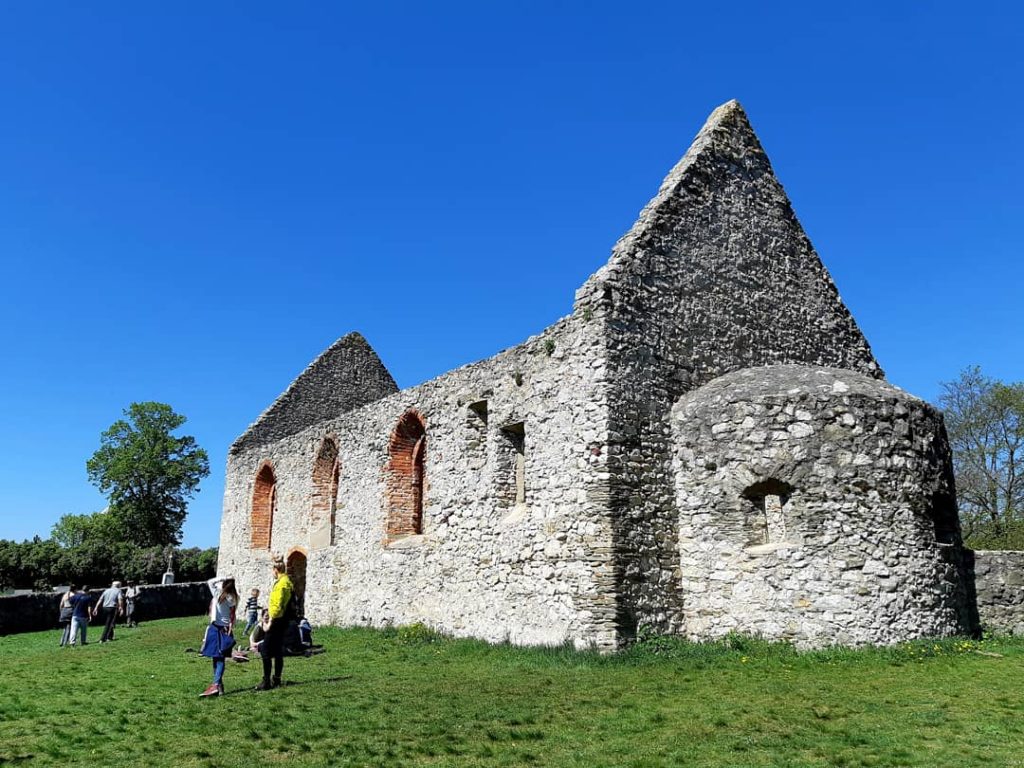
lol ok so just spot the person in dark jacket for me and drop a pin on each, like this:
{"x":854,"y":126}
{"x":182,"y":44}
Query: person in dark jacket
{"x":80,"y":603}
{"x":280,"y":610}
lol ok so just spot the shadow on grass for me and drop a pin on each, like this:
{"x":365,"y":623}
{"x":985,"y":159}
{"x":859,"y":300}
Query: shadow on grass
{"x":292,"y":684}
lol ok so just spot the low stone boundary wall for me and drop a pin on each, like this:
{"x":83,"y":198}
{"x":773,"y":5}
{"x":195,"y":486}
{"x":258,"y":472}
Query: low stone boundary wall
{"x":38,"y":611}
{"x":999,"y":583}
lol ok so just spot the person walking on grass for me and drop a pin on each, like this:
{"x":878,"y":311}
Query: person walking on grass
{"x":219,"y":640}
{"x":130,"y":596}
{"x":80,"y":603}
{"x":110,"y":605}
{"x":64,"y":616}
{"x":280,"y":610}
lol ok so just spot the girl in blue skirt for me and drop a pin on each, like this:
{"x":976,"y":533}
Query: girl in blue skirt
{"x":219,"y":640}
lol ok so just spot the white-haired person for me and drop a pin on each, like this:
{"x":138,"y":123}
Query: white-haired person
{"x":219,"y":640}
{"x":110,"y":605}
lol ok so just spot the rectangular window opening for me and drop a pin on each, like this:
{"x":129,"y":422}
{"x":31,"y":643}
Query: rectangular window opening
{"x":476,"y":434}
{"x":775,"y":521}
{"x":478,"y":410}
{"x":512,"y":472}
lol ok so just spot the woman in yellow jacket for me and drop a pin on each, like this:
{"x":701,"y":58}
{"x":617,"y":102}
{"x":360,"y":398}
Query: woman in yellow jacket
{"x":280,"y":609}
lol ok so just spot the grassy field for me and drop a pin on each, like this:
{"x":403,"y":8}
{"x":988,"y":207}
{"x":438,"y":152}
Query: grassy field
{"x":406,"y":697}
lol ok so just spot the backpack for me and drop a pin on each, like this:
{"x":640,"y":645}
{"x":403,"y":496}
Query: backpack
{"x":291,"y":610}
{"x":305,"y":633}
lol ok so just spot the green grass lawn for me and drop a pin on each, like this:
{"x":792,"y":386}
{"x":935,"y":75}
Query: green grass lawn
{"x":406,"y":697}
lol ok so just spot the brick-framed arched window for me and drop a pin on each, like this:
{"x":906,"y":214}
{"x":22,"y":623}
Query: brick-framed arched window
{"x":326,"y":470}
{"x":264,"y":504}
{"x":405,"y":476}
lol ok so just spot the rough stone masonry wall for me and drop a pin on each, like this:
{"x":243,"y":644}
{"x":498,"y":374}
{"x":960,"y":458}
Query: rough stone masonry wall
{"x":346,"y":375}
{"x":999,"y":584}
{"x":716,"y":275}
{"x":534,"y":573}
{"x":816,"y":506}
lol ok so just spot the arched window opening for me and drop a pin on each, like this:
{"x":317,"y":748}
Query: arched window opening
{"x":296,"y":564}
{"x":264,"y":505}
{"x":326,"y":470}
{"x":405,"y":477}
{"x":766,"y":515}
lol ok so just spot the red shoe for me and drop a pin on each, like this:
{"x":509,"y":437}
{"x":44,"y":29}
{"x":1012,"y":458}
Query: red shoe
{"x":213,"y":690}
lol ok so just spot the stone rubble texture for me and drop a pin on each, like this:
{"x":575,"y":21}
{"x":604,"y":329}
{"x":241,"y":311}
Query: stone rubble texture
{"x":999,"y":580}
{"x":711,"y":357}
{"x":861,"y":557}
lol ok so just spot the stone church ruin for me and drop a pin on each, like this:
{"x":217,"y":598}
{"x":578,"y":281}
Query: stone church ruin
{"x":705,"y":445}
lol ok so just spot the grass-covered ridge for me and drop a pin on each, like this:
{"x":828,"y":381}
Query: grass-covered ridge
{"x":408,"y":697}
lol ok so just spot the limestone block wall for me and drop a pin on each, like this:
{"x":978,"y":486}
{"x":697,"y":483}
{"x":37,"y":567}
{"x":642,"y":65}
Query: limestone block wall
{"x":816,"y":506}
{"x":716,"y":275}
{"x":999,"y":585}
{"x":554,"y":492}
{"x":515,"y":542}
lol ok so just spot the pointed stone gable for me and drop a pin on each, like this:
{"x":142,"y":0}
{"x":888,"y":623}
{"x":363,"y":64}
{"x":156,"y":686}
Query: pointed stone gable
{"x":346,"y":376}
{"x":717,"y":273}
{"x":593,"y":483}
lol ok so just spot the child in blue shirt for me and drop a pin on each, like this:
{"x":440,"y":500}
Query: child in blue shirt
{"x":252,"y":611}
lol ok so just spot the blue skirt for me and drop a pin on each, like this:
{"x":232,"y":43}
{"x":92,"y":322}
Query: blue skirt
{"x":218,"y":643}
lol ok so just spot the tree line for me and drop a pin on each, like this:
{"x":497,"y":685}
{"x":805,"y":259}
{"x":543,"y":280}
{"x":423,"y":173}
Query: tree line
{"x":148,"y":474}
{"x":42,"y":563}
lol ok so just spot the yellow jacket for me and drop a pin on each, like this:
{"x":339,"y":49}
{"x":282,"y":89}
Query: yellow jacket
{"x":280,"y":594}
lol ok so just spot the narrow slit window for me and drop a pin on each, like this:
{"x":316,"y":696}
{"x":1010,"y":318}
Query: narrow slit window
{"x":476,"y":429}
{"x":942,"y":511}
{"x":775,"y":521}
{"x":478,"y":412}
{"x":766,"y":516}
{"x":512,"y":478}
{"x":335,"y":478}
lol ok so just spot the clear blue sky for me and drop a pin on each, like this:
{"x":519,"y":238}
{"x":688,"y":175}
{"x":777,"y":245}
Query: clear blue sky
{"x":197,"y":199}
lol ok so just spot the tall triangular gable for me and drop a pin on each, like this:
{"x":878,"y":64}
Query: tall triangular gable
{"x":717,"y":273}
{"x":345,"y":376}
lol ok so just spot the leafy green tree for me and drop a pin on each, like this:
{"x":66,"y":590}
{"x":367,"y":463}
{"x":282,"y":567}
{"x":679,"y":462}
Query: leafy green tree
{"x":95,"y":562}
{"x":10,"y":564}
{"x":30,"y":564}
{"x":985,"y":422}
{"x":74,"y":530}
{"x":148,"y":473}
{"x":196,"y":564}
